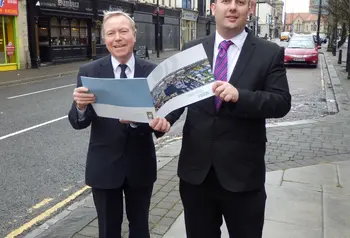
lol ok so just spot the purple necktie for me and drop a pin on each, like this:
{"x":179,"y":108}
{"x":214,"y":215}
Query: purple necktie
{"x":220,"y":71}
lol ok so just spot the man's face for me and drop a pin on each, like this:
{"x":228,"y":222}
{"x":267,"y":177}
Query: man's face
{"x":119,"y":37}
{"x":231,"y":14}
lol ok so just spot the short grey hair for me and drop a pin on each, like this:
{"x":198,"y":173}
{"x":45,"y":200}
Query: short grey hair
{"x":110,"y":14}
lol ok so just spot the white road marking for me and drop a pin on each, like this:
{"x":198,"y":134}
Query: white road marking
{"x":41,"y":91}
{"x":31,"y":128}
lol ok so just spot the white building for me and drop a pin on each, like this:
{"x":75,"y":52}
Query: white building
{"x":265,"y":12}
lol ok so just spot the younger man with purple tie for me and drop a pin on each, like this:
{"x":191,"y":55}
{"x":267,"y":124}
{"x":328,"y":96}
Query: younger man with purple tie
{"x":221,"y":164}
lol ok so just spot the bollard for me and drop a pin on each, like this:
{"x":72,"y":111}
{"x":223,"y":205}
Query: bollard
{"x":340,"y":56}
{"x":334,"y":51}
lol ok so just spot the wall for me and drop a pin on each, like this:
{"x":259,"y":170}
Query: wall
{"x":22,"y":31}
{"x":264,"y":10}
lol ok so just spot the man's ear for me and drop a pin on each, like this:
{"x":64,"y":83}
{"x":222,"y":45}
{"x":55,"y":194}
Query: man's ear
{"x":213,"y":7}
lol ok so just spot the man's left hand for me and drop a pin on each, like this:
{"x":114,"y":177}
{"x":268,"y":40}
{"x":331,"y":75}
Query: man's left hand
{"x":226,"y":91}
{"x":160,"y":124}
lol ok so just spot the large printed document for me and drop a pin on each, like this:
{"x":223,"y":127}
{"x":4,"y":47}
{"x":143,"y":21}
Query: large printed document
{"x":180,"y":80}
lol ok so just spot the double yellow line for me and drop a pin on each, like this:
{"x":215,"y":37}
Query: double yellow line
{"x":47,"y":213}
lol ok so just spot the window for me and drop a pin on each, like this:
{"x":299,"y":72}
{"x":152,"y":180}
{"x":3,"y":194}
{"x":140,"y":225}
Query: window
{"x":64,"y":31}
{"x":7,"y":38}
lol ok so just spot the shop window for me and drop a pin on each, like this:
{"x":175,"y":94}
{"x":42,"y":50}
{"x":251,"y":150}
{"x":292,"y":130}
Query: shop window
{"x":96,"y":34}
{"x":75,"y":32}
{"x":83,"y":33}
{"x":43,"y":26}
{"x":7,"y":38}
{"x":65,"y":37}
{"x":66,"y":31}
{"x":55,"y":31}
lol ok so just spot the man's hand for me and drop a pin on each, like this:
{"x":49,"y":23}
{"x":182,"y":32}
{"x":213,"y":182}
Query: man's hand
{"x":226,"y":91}
{"x":160,"y":124}
{"x":82,"y":97}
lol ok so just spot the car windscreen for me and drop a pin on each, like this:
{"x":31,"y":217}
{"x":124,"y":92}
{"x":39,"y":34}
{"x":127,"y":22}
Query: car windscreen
{"x":302,"y":44}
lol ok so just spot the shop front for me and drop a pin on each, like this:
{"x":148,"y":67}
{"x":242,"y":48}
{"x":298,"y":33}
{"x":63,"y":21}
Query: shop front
{"x":61,"y":30}
{"x":188,"y":26}
{"x":145,"y":17}
{"x":9,"y":59}
{"x":99,"y":48}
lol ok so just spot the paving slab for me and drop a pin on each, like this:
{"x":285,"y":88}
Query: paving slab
{"x":294,"y":206}
{"x":274,"y":177}
{"x":178,"y":229}
{"x":336,"y":210}
{"x":274,"y":229}
{"x":325,"y":174}
{"x":170,"y":150}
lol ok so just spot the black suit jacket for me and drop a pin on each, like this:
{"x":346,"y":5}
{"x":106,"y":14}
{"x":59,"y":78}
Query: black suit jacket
{"x":116,"y":151}
{"x":233,"y":140}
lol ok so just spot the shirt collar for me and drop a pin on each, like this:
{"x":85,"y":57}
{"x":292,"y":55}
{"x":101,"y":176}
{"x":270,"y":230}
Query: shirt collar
{"x":237,"y":40}
{"x":130,"y":63}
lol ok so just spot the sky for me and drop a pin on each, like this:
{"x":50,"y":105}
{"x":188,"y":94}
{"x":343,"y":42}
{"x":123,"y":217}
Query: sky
{"x":297,"y":5}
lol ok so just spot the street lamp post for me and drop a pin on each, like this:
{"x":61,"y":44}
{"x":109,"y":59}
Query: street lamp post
{"x":319,"y":23}
{"x":158,"y":29}
{"x":348,"y":54}
{"x":257,"y":17}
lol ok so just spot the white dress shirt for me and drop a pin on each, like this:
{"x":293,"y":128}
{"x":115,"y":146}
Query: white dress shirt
{"x":129,"y":71}
{"x":233,"y":51}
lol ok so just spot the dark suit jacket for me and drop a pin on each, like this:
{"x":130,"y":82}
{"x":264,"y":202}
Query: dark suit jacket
{"x":116,"y":151}
{"x":233,"y":140}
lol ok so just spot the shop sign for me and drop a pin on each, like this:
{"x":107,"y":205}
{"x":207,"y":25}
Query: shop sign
{"x":113,"y":6}
{"x":72,"y":5}
{"x":9,"y":7}
{"x":10,"y":49}
{"x":161,"y":12}
{"x":189,"y":16}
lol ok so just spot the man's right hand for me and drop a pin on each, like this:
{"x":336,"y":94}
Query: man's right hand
{"x":82,"y":97}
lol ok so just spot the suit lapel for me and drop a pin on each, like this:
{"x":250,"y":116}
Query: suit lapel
{"x":208,"y":45}
{"x":243,"y":59}
{"x":139,"y":71}
{"x":106,"y":70}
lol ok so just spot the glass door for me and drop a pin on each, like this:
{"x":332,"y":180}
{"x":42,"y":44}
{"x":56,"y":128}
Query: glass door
{"x":2,"y":42}
{"x":7,"y":40}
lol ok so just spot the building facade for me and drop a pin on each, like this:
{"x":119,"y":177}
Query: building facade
{"x":145,"y":17}
{"x":278,"y":17}
{"x":265,"y":13}
{"x":305,"y":23}
{"x":13,"y":44}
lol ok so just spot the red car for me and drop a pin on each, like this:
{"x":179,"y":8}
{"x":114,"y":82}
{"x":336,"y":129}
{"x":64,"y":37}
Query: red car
{"x":301,"y":51}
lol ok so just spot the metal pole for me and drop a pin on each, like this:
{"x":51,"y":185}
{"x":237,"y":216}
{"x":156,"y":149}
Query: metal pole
{"x":319,"y":23}
{"x":285,"y":15}
{"x":257,"y":17}
{"x":348,"y":53}
{"x":158,"y":29}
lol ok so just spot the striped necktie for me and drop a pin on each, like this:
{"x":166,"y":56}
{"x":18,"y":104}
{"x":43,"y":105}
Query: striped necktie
{"x":220,"y":71}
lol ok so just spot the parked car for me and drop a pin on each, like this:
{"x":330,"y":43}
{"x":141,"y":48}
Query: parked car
{"x":301,"y":51}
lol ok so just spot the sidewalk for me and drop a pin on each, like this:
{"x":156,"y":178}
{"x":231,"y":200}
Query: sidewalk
{"x":59,"y":70}
{"x":308,"y":185}
{"x":307,"y":202}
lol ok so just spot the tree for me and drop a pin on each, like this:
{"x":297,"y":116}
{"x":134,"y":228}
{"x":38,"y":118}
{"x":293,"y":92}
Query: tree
{"x":339,"y":9}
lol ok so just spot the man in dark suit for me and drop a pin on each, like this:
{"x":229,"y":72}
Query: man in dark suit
{"x":121,"y":156}
{"x":221,"y":164}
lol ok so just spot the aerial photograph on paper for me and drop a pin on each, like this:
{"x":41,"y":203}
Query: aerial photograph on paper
{"x":181,"y":81}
